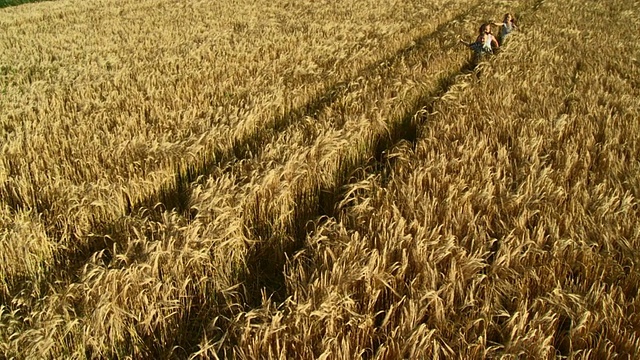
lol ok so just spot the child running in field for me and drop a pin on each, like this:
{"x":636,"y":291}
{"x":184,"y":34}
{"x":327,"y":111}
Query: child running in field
{"x":508,"y":24}
{"x":485,"y":43}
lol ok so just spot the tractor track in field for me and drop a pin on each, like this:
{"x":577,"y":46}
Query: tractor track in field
{"x":69,"y":263}
{"x":177,"y":195}
{"x":406,"y":129}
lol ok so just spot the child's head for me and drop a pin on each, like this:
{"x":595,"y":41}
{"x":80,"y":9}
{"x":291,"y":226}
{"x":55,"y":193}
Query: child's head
{"x":485,"y":29}
{"x":507,"y":18}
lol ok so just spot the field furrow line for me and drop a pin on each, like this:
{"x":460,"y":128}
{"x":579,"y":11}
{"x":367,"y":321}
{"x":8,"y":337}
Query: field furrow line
{"x":327,"y":147}
{"x":70,"y":262}
{"x":316,"y":199}
{"x":175,"y":196}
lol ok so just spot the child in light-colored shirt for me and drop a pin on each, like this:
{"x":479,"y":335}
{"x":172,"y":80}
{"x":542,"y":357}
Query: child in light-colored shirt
{"x":508,"y":24}
{"x":485,"y":42}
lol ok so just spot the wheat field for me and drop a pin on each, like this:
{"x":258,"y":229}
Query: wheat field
{"x":318,"y":179}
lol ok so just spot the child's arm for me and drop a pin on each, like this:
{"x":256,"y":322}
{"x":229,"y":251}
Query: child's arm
{"x":494,"y":43}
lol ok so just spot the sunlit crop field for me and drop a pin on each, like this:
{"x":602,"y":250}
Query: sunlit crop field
{"x":318,"y":179}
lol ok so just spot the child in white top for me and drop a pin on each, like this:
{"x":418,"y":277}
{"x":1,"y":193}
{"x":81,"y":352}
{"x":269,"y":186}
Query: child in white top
{"x":485,"y":42}
{"x":508,"y":25}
